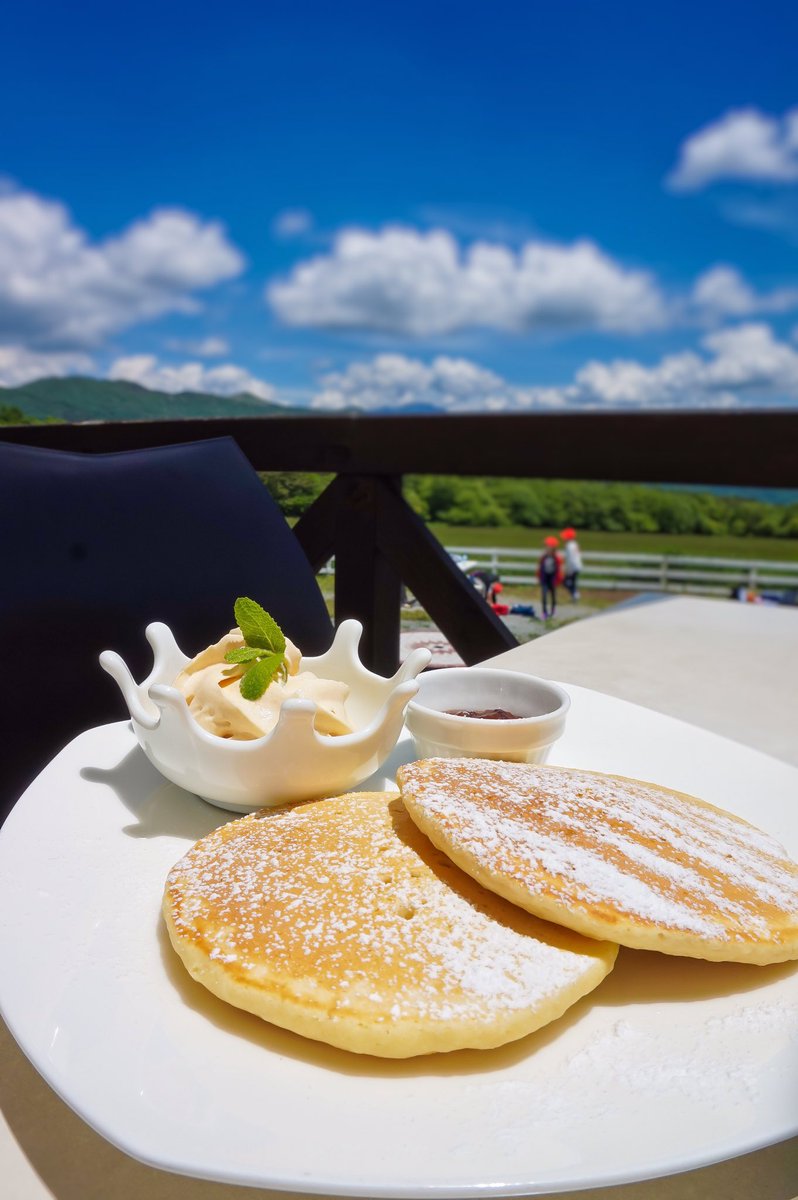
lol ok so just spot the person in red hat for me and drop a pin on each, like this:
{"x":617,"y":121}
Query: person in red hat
{"x":550,"y":574}
{"x":573,"y":562}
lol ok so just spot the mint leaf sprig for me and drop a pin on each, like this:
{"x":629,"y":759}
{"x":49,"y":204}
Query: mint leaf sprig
{"x":263,"y":655}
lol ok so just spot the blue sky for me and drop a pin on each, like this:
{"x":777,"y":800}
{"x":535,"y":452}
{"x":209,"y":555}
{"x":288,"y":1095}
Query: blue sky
{"x":496,"y":206}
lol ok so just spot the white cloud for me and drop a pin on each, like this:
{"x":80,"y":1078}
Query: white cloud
{"x":18,"y":365}
{"x":738,"y":366}
{"x":224,"y":380}
{"x":749,"y":358}
{"x":395,"y":381}
{"x":625,"y":382}
{"x":60,"y":290}
{"x":292,"y":222}
{"x":723,"y":292}
{"x":403,"y":281}
{"x":742,"y":144}
{"x":209,"y":347}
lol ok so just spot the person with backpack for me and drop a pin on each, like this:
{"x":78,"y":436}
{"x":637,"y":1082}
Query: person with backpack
{"x":550,"y":574}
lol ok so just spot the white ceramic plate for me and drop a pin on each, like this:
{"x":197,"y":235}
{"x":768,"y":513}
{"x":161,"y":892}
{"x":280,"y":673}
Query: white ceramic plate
{"x":670,"y":1064}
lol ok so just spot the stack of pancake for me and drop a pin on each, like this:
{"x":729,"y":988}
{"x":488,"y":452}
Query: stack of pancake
{"x":474,"y":907}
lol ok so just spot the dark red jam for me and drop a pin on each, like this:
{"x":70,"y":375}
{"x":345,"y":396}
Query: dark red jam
{"x":484,"y":714}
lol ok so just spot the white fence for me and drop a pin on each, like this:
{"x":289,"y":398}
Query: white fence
{"x":644,"y":572}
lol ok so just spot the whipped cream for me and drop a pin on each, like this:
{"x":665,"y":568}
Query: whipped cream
{"x":215,"y":701}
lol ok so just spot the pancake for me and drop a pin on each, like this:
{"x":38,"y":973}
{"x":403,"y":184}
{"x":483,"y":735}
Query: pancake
{"x":338,"y":920}
{"x":612,"y":857}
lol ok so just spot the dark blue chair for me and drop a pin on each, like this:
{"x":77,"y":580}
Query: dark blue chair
{"x":94,"y":547}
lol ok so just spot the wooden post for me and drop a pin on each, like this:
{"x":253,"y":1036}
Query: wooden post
{"x":367,"y":584}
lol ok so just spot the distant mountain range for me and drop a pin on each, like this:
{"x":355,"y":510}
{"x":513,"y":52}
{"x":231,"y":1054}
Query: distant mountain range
{"x":78,"y":398}
{"x":82,"y":399}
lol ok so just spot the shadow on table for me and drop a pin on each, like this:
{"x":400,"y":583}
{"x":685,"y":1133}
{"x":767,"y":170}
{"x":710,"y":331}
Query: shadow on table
{"x":161,"y":809}
{"x":282,"y":1042}
{"x":644,"y":976}
{"x":641,"y":978}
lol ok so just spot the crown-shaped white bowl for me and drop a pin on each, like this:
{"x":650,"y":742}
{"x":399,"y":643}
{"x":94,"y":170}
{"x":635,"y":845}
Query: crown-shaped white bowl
{"x":292,"y":762}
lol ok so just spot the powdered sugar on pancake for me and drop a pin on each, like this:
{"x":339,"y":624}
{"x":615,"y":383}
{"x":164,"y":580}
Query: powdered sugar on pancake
{"x":359,"y":906}
{"x":613,"y":848}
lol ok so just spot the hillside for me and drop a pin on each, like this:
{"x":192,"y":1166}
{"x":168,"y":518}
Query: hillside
{"x":82,"y":399}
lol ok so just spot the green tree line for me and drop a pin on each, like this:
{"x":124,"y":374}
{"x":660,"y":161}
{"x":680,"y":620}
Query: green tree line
{"x":539,"y":503}
{"x":11,"y":415}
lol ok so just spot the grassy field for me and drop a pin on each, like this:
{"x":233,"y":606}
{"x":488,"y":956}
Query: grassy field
{"x":521,"y":538}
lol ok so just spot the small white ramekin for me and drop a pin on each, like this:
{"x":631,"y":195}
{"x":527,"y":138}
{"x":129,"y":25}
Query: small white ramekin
{"x":541,"y":709}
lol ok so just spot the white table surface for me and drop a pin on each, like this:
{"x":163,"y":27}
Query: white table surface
{"x":730,"y":668}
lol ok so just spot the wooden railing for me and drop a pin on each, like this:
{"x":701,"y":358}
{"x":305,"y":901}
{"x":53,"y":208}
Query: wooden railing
{"x":379,"y":542}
